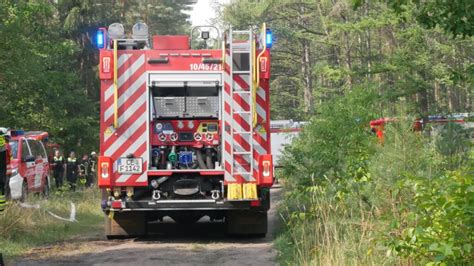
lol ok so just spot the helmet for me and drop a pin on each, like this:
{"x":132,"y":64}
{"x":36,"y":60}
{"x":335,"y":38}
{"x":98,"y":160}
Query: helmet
{"x":4,"y":131}
{"x":93,"y":153}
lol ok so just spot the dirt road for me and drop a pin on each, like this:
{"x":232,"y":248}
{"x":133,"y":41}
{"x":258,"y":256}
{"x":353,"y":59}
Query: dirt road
{"x":203,"y":243}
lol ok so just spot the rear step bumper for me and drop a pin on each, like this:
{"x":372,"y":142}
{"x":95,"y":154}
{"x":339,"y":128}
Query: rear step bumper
{"x":168,"y":205}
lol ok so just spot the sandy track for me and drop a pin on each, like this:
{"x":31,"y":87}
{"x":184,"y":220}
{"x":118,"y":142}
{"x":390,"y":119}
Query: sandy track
{"x":203,"y":243}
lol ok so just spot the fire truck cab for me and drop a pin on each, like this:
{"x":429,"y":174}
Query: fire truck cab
{"x":29,"y":164}
{"x":184,"y":128}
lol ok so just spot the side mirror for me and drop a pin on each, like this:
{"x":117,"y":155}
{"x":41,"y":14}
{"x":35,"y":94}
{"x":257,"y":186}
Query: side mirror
{"x":29,"y":158}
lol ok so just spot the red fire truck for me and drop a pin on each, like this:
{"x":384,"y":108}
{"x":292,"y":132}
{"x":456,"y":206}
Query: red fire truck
{"x":431,"y":124}
{"x":184,"y":128}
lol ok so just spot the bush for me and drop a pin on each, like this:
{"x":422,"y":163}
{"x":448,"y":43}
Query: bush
{"x":351,"y":201}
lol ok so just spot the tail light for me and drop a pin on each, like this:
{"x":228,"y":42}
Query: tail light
{"x":266,"y":170}
{"x":106,"y":64}
{"x":104,"y":172}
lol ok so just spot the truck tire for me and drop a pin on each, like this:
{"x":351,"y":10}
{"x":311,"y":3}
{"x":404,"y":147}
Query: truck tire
{"x":248,"y":222}
{"x":24,"y":191}
{"x":125,"y":224}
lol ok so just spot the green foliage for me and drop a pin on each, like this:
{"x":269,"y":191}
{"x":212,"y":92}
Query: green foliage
{"x":453,"y":142}
{"x":439,"y":220}
{"x":324,"y":148}
{"x":426,"y":209}
{"x":340,"y":66}
{"x":349,"y":201}
{"x":48,"y":64}
{"x":327,"y":212}
{"x":324,"y":47}
{"x":455,"y":17}
{"x":22,"y":229}
{"x":329,"y":229}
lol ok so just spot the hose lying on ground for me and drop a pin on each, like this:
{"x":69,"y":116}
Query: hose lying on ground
{"x":72,"y":215}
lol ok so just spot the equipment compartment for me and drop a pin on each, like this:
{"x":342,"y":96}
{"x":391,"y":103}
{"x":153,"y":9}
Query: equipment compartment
{"x":202,"y":106}
{"x":170,"y":106}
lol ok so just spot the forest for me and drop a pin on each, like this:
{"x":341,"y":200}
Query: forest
{"x":48,"y":62}
{"x":349,"y":199}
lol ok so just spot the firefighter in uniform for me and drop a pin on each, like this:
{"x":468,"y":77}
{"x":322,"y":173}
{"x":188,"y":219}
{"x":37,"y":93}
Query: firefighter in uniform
{"x":85,"y":170}
{"x":4,"y":162}
{"x":58,"y":168}
{"x":93,"y":167}
{"x":72,"y":170}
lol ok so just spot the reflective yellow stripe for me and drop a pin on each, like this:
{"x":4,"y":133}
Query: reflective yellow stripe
{"x":2,"y":203}
{"x":115,"y":86}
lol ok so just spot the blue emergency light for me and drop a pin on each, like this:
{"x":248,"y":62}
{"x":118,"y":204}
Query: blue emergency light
{"x":269,"y":38}
{"x":16,"y":133}
{"x":100,"y":39}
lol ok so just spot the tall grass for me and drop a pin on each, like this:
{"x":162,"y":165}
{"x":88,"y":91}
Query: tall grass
{"x":329,"y":230}
{"x":351,"y":201}
{"x":408,"y":202}
{"x":23,"y":228}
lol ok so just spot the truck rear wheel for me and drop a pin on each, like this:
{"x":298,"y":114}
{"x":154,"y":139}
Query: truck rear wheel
{"x":251,"y":223}
{"x":125,"y":224}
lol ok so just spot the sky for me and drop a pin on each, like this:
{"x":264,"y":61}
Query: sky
{"x":203,"y":12}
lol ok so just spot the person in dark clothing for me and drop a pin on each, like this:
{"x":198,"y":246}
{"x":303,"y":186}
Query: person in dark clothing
{"x":4,"y":160}
{"x":85,"y":170}
{"x":72,"y":170}
{"x":93,"y":167}
{"x":58,"y":168}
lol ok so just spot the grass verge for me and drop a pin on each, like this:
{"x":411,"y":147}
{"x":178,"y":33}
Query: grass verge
{"x":24,"y":228}
{"x":328,"y":231}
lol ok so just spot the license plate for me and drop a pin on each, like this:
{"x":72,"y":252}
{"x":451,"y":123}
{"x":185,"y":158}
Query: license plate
{"x":130,"y":165}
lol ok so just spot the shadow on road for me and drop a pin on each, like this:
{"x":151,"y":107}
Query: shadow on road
{"x":203,"y":232}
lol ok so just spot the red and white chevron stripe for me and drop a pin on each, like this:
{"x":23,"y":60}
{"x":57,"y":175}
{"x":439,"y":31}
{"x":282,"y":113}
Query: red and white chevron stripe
{"x":239,"y":122}
{"x":228,"y":161}
{"x":261,"y":136}
{"x":131,"y":136}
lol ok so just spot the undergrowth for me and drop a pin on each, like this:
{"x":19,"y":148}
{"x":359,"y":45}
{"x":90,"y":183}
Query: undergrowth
{"x":24,"y":228}
{"x":351,"y":201}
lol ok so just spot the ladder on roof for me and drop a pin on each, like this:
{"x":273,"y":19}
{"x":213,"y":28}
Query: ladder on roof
{"x":242,"y":107}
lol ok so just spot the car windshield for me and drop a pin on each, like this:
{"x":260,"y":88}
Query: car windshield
{"x":14,"y":146}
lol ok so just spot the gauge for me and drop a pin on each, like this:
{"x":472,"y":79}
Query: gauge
{"x":159,"y":127}
{"x":190,"y":124}
{"x":180,"y":124}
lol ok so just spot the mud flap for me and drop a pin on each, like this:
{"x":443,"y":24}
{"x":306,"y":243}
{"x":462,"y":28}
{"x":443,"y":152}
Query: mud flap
{"x":125,"y":224}
{"x":254,"y":223}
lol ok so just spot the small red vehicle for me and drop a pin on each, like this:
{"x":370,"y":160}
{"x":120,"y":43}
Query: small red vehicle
{"x":30,"y":167}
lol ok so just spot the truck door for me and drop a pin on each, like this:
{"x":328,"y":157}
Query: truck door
{"x":41,"y":161}
{"x":28,"y":164}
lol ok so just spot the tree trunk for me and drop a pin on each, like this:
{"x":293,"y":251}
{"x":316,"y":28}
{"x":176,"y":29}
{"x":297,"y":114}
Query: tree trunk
{"x":307,"y":79}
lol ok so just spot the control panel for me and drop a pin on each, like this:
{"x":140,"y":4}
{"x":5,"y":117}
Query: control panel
{"x":185,"y":133}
